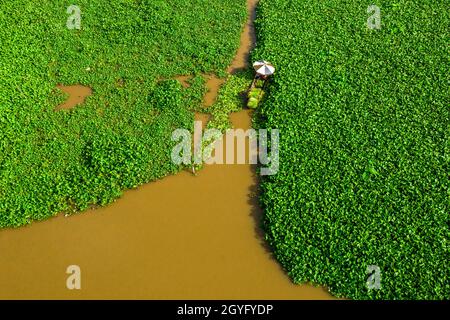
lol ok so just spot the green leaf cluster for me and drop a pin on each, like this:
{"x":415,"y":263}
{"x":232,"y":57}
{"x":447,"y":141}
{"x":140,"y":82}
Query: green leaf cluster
{"x":364,"y":156}
{"x":70,"y":160}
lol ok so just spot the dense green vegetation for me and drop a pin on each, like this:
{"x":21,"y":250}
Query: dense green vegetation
{"x":67,"y":161}
{"x":364,"y":156}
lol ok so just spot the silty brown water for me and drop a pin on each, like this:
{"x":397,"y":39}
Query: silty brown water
{"x":183,"y":237}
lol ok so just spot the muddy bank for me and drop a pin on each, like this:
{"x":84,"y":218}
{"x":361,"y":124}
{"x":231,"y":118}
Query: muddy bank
{"x":183,"y":237}
{"x":77,"y":95}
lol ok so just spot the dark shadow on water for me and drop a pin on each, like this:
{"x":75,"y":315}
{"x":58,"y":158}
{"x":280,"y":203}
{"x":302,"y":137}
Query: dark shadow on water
{"x":257,"y":212}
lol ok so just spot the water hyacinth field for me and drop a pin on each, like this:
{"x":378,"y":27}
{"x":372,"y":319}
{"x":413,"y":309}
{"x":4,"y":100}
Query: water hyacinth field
{"x":364,"y":155}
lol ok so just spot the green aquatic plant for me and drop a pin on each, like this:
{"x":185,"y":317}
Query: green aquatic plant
{"x":364,"y":153}
{"x":70,"y":160}
{"x":231,"y":98}
{"x":252,"y":103}
{"x":255,"y":96}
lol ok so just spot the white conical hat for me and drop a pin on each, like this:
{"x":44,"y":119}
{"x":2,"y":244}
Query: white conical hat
{"x":264,"y":68}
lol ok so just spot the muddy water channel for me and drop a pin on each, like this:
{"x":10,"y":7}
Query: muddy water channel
{"x":183,"y":237}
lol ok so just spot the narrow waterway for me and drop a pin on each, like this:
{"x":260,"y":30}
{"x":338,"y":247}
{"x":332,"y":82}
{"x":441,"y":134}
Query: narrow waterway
{"x":183,"y":237}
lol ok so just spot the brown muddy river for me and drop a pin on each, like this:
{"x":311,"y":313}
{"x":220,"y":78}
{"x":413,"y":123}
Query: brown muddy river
{"x":183,"y":237}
